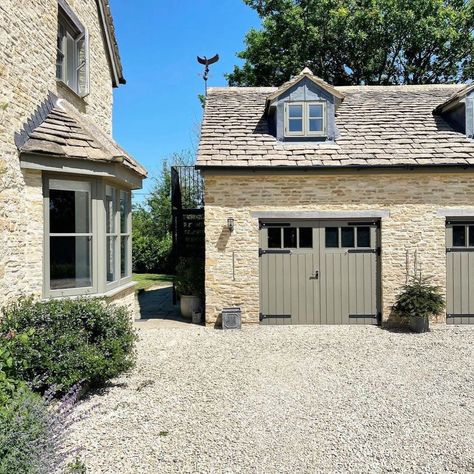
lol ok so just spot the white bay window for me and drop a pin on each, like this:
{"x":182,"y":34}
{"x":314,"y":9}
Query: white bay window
{"x":87,"y":236}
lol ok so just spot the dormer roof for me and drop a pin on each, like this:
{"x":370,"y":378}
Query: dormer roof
{"x":306,"y":73}
{"x":455,"y":99}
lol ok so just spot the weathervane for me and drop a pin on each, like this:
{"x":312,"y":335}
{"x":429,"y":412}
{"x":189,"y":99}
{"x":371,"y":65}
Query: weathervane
{"x":207,"y":62}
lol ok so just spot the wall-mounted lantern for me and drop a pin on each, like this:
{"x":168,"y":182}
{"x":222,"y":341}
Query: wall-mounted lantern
{"x":230,"y":224}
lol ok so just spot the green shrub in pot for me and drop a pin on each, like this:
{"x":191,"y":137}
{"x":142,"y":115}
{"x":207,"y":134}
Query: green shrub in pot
{"x":189,"y":283}
{"x":417,"y":301}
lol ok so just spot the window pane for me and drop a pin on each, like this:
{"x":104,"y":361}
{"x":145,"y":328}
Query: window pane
{"x":70,"y":262}
{"x":110,"y":210}
{"x":274,"y":237}
{"x":289,"y":237}
{"x":347,"y":237}
{"x":124,"y":270}
{"x":59,"y":52}
{"x":295,"y":125}
{"x":363,"y":236}
{"x":459,"y":236}
{"x":124,"y":212}
{"x":69,"y":211}
{"x":332,"y":237}
{"x":71,"y":65}
{"x":316,"y":125}
{"x":295,"y":111}
{"x":471,"y":236}
{"x":316,"y":111}
{"x":111,"y":258}
{"x":306,"y":237}
{"x":81,"y":67}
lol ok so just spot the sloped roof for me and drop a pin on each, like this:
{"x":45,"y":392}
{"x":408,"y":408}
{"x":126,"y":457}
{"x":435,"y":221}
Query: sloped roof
{"x":57,"y":129}
{"x":378,"y":126}
{"x":111,"y":43}
{"x":457,"y":97}
{"x":306,"y":73}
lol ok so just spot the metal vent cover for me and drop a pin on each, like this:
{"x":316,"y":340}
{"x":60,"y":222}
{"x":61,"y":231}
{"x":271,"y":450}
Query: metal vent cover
{"x":231,"y":318}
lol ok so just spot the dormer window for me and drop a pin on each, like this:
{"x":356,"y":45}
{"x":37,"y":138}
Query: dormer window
{"x":305,"y":119}
{"x":72,"y":51}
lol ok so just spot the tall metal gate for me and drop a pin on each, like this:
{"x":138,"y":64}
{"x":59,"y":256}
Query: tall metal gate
{"x":460,"y":271}
{"x":319,"y":272}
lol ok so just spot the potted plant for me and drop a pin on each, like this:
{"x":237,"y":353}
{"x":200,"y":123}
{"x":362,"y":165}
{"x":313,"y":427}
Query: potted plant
{"x":189,"y":284}
{"x":417,"y":301}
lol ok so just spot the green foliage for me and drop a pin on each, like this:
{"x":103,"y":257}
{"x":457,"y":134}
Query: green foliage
{"x":152,"y":221}
{"x":67,"y":342}
{"x":151,"y":253}
{"x":24,"y":428}
{"x":419,"y":298}
{"x":354,"y":42}
{"x":189,"y":278}
{"x":202,"y":100}
{"x":76,"y":467}
{"x":8,"y":383}
{"x":146,"y":280}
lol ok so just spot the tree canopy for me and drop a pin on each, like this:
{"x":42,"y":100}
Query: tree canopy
{"x":152,"y":220}
{"x":359,"y":42}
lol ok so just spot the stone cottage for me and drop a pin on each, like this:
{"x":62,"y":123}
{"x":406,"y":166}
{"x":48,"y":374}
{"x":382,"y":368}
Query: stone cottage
{"x":319,"y":198}
{"x":65,"y":185}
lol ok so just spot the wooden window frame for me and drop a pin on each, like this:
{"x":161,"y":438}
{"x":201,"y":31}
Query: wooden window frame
{"x":98,"y":232}
{"x":306,"y":117}
{"x":74,"y":31}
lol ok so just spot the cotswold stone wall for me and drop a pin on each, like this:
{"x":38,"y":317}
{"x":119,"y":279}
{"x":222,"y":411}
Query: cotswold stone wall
{"x":27,"y":72}
{"x":412,"y":199}
{"x":127,"y":298}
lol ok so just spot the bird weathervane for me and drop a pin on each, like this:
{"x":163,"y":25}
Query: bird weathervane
{"x":206,"y":63}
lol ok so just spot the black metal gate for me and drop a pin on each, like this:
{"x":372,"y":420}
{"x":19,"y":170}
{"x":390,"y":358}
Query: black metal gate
{"x":187,"y":205}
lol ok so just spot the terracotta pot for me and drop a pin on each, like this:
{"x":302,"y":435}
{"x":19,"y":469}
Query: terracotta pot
{"x":188,"y":305}
{"x":419,"y":324}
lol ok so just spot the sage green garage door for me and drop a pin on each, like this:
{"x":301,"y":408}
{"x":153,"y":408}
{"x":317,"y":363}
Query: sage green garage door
{"x":460,"y":272}
{"x":319,"y":272}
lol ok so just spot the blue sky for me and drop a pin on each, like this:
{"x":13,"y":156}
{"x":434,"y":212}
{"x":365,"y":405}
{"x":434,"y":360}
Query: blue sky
{"x":157,"y":112}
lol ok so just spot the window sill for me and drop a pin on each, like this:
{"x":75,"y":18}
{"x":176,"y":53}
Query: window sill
{"x":71,"y":95}
{"x":107,"y":294}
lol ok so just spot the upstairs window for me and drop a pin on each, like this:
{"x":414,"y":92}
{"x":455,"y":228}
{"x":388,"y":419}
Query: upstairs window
{"x":305,"y":119}
{"x":72,"y":60}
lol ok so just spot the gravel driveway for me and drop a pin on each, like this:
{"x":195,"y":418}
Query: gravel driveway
{"x":287,"y":399}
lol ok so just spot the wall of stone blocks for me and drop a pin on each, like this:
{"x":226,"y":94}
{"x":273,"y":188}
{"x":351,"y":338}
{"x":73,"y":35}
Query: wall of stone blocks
{"x":27,"y":73}
{"x":127,"y":298}
{"x":412,"y":199}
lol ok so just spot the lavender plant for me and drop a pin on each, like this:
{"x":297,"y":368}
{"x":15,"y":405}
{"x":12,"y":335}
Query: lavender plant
{"x":33,"y":430}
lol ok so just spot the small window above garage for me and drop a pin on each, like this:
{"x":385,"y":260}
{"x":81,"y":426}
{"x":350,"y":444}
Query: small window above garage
{"x":304,"y":109}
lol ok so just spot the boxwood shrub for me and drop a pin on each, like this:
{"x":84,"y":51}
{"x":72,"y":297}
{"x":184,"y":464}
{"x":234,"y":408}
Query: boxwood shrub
{"x":68,"y":342}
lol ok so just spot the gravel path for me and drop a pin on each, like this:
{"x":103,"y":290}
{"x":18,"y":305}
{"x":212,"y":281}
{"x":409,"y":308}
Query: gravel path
{"x":287,"y":399}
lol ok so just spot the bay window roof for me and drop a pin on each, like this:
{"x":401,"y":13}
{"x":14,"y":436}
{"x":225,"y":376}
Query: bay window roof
{"x":57,"y":129}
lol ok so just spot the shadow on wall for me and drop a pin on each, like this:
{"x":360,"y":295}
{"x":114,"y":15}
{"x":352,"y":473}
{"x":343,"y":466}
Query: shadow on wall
{"x":223,"y":239}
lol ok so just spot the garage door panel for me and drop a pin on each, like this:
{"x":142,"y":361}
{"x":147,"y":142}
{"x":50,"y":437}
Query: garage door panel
{"x":460,"y":272}
{"x":323,"y":284}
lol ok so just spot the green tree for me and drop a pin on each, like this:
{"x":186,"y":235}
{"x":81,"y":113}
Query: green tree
{"x":359,"y":42}
{"x":152,"y":220}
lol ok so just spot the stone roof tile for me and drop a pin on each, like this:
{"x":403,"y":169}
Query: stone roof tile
{"x":58,"y":129}
{"x":377,"y":125}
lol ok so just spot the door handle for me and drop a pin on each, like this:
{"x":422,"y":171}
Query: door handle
{"x":315,"y":276}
